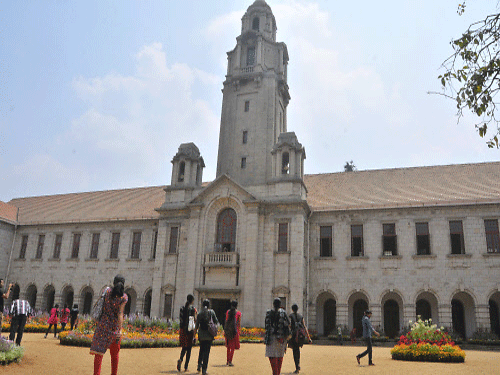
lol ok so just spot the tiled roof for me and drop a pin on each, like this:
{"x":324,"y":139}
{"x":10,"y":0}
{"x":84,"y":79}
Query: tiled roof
{"x":405,"y":187}
{"x":8,"y":212}
{"x":385,"y":188}
{"x":125,"y":204}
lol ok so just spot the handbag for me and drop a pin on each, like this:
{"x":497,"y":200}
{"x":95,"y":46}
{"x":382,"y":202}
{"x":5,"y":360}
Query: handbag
{"x":212,"y":328}
{"x":98,"y":307}
{"x":191,"y":324}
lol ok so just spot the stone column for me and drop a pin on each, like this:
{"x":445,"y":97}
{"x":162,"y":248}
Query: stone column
{"x":445,"y":318}
{"x":343,"y":314}
{"x":483,"y":317}
{"x":156,"y":295}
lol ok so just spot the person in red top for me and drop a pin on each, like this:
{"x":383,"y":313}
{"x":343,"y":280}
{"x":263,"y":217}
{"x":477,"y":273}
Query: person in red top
{"x":232,"y":328}
{"x":64,"y":317}
{"x":52,"y":321}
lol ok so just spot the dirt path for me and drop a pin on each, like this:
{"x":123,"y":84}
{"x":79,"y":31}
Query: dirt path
{"x":47,"y":357}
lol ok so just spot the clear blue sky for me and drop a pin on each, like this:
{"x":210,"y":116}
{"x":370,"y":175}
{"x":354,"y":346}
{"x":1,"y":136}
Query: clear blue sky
{"x":98,"y":95}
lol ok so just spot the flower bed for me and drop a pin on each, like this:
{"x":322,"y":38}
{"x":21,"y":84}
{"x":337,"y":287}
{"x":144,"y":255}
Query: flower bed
{"x":9,"y":352}
{"x":427,"y":343}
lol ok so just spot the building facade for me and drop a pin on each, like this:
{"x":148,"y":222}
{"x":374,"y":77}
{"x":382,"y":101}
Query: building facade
{"x":402,"y":242}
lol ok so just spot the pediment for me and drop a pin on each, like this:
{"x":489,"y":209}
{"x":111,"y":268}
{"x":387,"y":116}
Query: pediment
{"x":223,"y":186}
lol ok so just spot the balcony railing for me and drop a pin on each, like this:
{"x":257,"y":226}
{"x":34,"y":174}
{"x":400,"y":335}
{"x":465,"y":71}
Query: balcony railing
{"x":221,"y":259}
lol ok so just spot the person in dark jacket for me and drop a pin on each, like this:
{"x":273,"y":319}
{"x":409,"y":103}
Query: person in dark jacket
{"x":367,"y":336}
{"x":186,"y":336}
{"x":204,"y":336}
{"x":297,"y":324}
{"x":74,"y":316}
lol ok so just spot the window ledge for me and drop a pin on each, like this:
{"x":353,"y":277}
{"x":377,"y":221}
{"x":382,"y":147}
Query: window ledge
{"x":54,"y":259}
{"x":133,"y":259}
{"x":325,"y":258}
{"x":424,"y":256}
{"x":390,"y":257}
{"x":493,"y":255}
{"x":171,"y":254}
{"x":36,"y":259}
{"x":282,"y":252}
{"x":455,"y":256}
{"x":20,"y":259}
{"x":92,"y":259}
{"x":359,"y":257}
{"x":152,"y":259}
{"x":111,"y":259}
{"x":72,"y":259}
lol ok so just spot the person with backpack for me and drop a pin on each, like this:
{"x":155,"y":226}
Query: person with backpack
{"x":206,"y":324}
{"x":277,"y":331}
{"x":300,"y":335}
{"x":186,"y":331}
{"x":232,"y":331}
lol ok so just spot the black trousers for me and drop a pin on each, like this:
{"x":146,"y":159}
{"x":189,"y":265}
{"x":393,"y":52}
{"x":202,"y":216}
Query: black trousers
{"x":187,"y":352}
{"x":17,"y":326}
{"x":73,"y":321}
{"x":296,"y":355}
{"x":204,"y":354}
{"x":368,"y":349}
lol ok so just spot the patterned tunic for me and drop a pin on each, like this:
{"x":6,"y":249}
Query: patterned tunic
{"x":107,"y":330}
{"x":277,"y":331}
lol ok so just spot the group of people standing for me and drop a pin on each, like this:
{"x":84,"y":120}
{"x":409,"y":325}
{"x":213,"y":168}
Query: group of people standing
{"x":205,"y":324}
{"x":64,"y":315}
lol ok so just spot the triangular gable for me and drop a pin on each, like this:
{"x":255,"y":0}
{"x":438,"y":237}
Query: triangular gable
{"x":217,"y":184}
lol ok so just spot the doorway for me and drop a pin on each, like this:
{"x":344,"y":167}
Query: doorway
{"x":220,"y":306}
{"x":329,"y":316}
{"x":458,"y":317}
{"x":358,"y":310}
{"x":391,"y":318}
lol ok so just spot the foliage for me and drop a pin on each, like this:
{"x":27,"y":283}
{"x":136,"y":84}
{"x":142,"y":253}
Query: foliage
{"x":426,"y":342}
{"x":472,"y":73}
{"x":349,"y":166}
{"x":9,"y":352}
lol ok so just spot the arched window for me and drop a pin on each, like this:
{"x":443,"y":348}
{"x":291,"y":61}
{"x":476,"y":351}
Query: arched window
{"x":285,"y":163}
{"x":226,"y":230}
{"x":182,"y":169}
{"x":147,"y":303}
{"x":255,"y":24}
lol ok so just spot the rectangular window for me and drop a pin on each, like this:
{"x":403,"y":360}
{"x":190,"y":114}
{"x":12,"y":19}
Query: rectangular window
{"x":492,"y":237}
{"x":115,"y":244}
{"x":283,"y":302}
{"x":247,"y":107}
{"x":245,"y":136}
{"x":57,"y":246}
{"x":423,"y":239}
{"x":155,"y":243}
{"x":76,"y":245}
{"x":167,"y":307}
{"x":243,"y":163}
{"x":94,"y":247}
{"x":39,"y":248}
{"x":325,"y":241}
{"x":457,"y":237}
{"x":136,"y":245}
{"x":251,"y":56}
{"x":357,"y":241}
{"x":174,"y":238}
{"x":24,"y":245}
{"x":389,"y":239}
{"x":282,"y":237}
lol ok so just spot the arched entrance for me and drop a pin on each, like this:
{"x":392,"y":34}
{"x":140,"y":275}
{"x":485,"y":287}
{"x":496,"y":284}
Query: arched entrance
{"x":329,"y":316}
{"x":494,"y":304}
{"x":86,"y":296}
{"x":68,"y":296}
{"x":147,"y":302}
{"x":358,"y":310}
{"x":49,"y":294}
{"x":31,"y":293}
{"x":458,"y":317}
{"x":391,"y":318}
{"x":423,"y":309}
{"x":226,"y":230}
{"x":130,"y":307}
{"x":463,"y":314}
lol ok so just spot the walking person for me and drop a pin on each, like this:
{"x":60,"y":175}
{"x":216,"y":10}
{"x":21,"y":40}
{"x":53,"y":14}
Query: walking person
{"x":19,"y":312}
{"x":108,"y":330}
{"x":73,"y":320}
{"x":186,"y":331}
{"x":64,"y":317}
{"x":367,"y":336}
{"x":3,"y":295}
{"x":232,"y":328}
{"x":277,"y":330}
{"x":52,"y":321}
{"x":205,"y":337}
{"x":300,"y":334}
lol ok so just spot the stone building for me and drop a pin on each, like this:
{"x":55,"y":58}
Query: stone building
{"x":403,"y":242}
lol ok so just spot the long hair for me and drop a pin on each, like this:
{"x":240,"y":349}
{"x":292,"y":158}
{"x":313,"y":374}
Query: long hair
{"x":232,"y":311}
{"x":118,"y":286}
{"x":190,"y":299}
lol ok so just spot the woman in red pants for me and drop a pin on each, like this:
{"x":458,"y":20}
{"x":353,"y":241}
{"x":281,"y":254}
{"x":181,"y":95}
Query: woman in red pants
{"x":107,"y":333}
{"x":232,"y":328}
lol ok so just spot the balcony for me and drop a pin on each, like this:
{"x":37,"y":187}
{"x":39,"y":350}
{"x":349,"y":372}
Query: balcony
{"x":221,"y":259}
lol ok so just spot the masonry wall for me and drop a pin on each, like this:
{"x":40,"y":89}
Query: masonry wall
{"x":6,"y":237}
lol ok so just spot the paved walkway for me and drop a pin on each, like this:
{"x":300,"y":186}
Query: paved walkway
{"x":47,"y":357}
